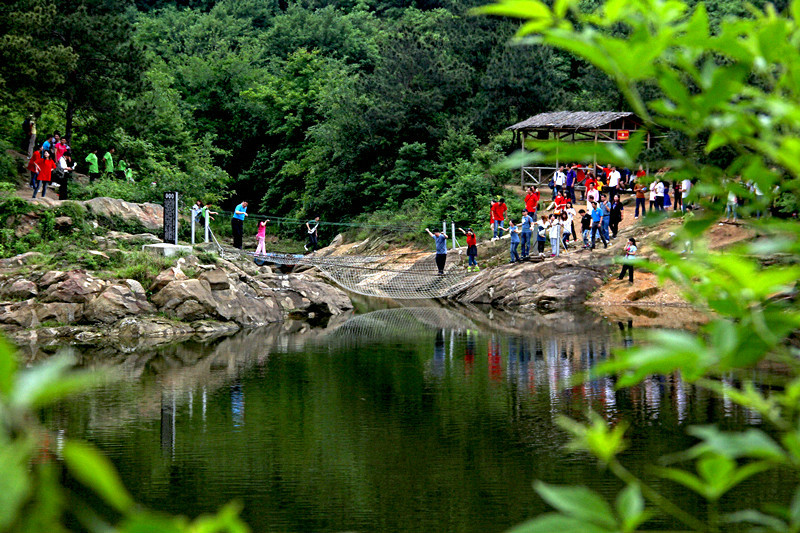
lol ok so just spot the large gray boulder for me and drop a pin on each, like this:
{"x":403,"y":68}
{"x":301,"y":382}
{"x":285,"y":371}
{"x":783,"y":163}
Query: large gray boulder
{"x":179,"y":291}
{"x":78,"y":287}
{"x":30,"y":313}
{"x":19,"y":289}
{"x":547,"y":286}
{"x":117,"y":301}
{"x":151,"y":216}
{"x":167,"y":276}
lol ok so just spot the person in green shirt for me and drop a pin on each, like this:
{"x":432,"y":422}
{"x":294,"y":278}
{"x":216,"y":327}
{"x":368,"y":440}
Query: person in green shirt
{"x":108,"y":160}
{"x":94,"y":167}
{"x":122,"y":169}
{"x":129,"y":174}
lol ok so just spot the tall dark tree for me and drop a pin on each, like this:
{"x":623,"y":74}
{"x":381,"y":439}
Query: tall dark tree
{"x":109,"y":65}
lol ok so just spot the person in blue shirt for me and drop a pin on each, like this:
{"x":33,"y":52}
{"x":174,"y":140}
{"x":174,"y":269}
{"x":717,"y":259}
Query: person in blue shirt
{"x":605,"y":205}
{"x":526,"y":225}
{"x":237,"y":224}
{"x":572,"y":177}
{"x":597,"y":220}
{"x":514,"y":232}
{"x":441,"y":249}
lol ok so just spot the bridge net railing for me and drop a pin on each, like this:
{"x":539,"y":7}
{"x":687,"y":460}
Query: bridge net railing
{"x":395,"y":276}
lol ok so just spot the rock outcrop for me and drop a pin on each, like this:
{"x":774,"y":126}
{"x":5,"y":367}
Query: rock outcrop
{"x":546,"y":286}
{"x":151,"y":216}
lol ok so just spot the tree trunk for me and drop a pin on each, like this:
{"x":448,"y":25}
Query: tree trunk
{"x":68,"y":119}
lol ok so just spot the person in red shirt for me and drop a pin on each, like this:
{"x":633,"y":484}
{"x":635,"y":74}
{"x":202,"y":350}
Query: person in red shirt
{"x":46,"y":166}
{"x":472,"y":250}
{"x":532,"y":201}
{"x":499,"y":214}
{"x":33,"y":166}
{"x":560,"y":203}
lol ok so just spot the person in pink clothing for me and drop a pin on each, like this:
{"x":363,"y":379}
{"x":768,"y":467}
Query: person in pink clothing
{"x":261,"y":236}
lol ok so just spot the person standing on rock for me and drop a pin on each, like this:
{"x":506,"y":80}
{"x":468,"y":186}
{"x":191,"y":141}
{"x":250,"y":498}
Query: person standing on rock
{"x":630,"y":253}
{"x":46,"y":167}
{"x":94,"y":167}
{"x":541,"y":235}
{"x":311,"y":227}
{"x":441,"y":249}
{"x":237,"y":224}
{"x":586,"y":226}
{"x":261,"y":237}
{"x":108,"y":161}
{"x":532,"y":201}
{"x":514,"y":232}
{"x":526,"y":228}
{"x":472,"y":250}
{"x":33,"y":166}
{"x":67,"y":166}
{"x":554,"y":228}
{"x":597,"y":220}
{"x":499,"y":209}
{"x":615,"y":216}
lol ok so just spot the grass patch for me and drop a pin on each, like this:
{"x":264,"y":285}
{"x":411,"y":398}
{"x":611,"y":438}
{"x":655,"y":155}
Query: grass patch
{"x":142,"y":267}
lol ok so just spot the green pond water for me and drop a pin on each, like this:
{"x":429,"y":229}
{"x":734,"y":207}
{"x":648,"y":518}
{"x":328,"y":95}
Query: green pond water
{"x":403,"y":419}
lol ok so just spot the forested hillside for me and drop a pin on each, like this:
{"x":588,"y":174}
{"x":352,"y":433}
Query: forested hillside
{"x":333,"y":108}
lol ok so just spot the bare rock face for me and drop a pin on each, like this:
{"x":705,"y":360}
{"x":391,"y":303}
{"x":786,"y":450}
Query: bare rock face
{"x":177,"y":292}
{"x":150,"y":216}
{"x":51,"y":277}
{"x":240,"y":303}
{"x":115,"y":302}
{"x":217,"y":279}
{"x":20,"y":260}
{"x":302,"y":294}
{"x":546,"y":286}
{"x":31,"y":313}
{"x":78,"y":287}
{"x":20,"y":289}
{"x":167,"y":276}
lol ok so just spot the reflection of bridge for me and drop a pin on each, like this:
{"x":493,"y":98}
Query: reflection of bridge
{"x":400,"y":323}
{"x":411,"y":276}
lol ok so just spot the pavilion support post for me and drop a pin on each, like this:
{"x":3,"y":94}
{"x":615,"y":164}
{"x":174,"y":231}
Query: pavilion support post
{"x":594,"y":169}
{"x":522,"y":165}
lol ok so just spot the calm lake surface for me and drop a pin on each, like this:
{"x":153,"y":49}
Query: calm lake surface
{"x":402,"y":419}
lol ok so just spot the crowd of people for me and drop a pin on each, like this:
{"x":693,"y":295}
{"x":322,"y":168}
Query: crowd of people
{"x":52,"y":162}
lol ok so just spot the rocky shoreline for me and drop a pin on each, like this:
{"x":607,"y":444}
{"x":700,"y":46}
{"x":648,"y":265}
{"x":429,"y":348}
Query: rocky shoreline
{"x":79,"y":306}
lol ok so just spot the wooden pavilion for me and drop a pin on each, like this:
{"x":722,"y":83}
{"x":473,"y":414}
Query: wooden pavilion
{"x":573,"y":126}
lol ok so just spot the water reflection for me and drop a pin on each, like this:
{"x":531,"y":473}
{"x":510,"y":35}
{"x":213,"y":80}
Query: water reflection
{"x":420,"y":419}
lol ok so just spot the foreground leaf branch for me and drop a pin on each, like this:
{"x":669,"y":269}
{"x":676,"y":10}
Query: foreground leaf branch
{"x":723,"y":97}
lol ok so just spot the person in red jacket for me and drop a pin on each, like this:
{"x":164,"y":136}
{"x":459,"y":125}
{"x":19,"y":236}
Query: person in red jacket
{"x":33,"y":166}
{"x":46,"y":166}
{"x":532,"y":201}
{"x":499,"y":214}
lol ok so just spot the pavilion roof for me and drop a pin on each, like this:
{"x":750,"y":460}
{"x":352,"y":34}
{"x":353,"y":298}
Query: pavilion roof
{"x":572,"y":120}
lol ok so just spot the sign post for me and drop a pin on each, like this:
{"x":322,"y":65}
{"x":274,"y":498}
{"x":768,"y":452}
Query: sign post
{"x":171,"y":217}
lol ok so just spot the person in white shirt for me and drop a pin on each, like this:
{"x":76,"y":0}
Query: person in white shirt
{"x":652,"y":196}
{"x":559,"y":179}
{"x":659,"y":195}
{"x":613,"y":182}
{"x":686,"y":186}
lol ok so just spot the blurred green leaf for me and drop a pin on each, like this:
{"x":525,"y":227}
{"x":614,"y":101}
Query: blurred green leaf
{"x":95,"y":471}
{"x":8,"y":368}
{"x":579,"y":503}
{"x":551,"y":522}
{"x":49,"y":381}
{"x":15,"y":484}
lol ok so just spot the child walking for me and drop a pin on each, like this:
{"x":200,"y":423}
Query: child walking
{"x":261,"y":236}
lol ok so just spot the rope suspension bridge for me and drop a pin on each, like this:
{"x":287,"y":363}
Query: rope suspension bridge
{"x":408,"y":276}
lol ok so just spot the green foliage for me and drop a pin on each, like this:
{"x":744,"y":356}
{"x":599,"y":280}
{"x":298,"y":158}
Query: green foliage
{"x":32,"y":497}
{"x":727,"y":91}
{"x":141,"y":266}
